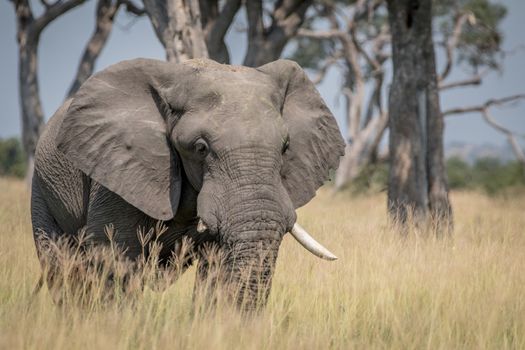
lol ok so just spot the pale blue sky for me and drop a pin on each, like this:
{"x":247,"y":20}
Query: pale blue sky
{"x":62,"y":43}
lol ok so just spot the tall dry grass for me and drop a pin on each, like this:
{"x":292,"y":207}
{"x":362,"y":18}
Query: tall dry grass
{"x":383,"y":292}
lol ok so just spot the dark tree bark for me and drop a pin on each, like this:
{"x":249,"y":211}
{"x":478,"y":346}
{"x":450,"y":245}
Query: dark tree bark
{"x":29,"y":29}
{"x":266,"y":44}
{"x":178,"y":26}
{"x":417,"y":180}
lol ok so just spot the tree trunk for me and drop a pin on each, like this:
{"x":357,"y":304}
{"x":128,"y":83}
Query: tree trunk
{"x":417,"y":181}
{"x":177,"y":24}
{"x":360,"y":152}
{"x":28,"y":34}
{"x":32,"y":114}
{"x":31,"y":108}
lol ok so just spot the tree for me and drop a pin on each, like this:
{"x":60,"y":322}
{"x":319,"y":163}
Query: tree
{"x":193,"y":29}
{"x":106,"y":11}
{"x":484,"y":109}
{"x":266,"y":43}
{"x":353,"y":37}
{"x":178,"y":26}
{"x":417,"y":180}
{"x":29,"y":29}
{"x":357,"y":41}
{"x":216,"y":21}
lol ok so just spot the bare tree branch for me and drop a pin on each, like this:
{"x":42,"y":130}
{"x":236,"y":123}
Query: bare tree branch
{"x":132,"y":8}
{"x":267,"y":44}
{"x":357,"y":55}
{"x":360,"y":150}
{"x":475,"y":80}
{"x":484,"y":110}
{"x":326,"y":34}
{"x":375,"y":99}
{"x":329,"y":62}
{"x":220,"y":26}
{"x":45,"y":3}
{"x":518,"y":152}
{"x":215,"y":23}
{"x":52,"y":12}
{"x":105,"y":14}
{"x":481,"y":108}
{"x":452,"y":44}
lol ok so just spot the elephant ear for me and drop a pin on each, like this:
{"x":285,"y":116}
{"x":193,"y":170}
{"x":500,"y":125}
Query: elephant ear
{"x":316,"y":144}
{"x":115,"y":132}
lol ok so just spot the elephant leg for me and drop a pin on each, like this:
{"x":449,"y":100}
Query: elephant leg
{"x":49,"y":239}
{"x":107,"y":209}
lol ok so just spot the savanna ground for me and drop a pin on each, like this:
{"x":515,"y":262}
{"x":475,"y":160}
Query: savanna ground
{"x":383,"y":292}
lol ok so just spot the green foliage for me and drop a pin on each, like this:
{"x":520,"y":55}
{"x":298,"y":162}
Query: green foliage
{"x":487,"y":174}
{"x":481,"y":38}
{"x":12,"y":158}
{"x":311,"y":52}
{"x":479,"y":44}
{"x":459,"y":173}
{"x":373,"y":178}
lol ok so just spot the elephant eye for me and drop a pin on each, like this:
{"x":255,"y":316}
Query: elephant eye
{"x":201,"y":148}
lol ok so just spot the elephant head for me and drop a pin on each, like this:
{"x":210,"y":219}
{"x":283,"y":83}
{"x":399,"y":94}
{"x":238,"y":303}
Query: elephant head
{"x":254,"y":143}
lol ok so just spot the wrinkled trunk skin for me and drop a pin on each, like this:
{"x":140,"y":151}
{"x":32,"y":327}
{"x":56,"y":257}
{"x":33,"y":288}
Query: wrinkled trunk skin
{"x":253,"y":212}
{"x":247,"y":272}
{"x":242,"y":270}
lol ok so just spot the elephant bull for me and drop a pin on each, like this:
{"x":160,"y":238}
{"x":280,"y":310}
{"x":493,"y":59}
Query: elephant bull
{"x":222,"y":154}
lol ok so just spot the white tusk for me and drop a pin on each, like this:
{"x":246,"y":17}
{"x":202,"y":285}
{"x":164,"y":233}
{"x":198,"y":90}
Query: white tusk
{"x":201,"y":226}
{"x":310,"y":244}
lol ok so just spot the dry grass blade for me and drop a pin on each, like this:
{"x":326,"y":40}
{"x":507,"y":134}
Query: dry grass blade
{"x":385,"y":291}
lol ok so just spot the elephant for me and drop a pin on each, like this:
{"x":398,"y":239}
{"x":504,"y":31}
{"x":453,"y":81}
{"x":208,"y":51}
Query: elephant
{"x":220,"y":154}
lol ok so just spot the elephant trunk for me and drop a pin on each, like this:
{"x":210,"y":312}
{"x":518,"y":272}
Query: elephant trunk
{"x":249,"y":268}
{"x":253,"y":225}
{"x":249,"y":219}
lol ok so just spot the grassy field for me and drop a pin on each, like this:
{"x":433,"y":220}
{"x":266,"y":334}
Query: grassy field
{"x":383,"y":292}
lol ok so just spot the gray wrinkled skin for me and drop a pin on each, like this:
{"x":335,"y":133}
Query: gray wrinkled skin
{"x":127,"y":150}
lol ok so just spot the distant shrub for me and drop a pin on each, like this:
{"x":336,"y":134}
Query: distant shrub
{"x":12,"y":158}
{"x":459,"y":173}
{"x":488,"y":174}
{"x":372,"y":178}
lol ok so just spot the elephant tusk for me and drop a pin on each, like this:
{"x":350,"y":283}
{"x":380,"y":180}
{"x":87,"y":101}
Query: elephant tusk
{"x":201,"y":226}
{"x":310,"y":244}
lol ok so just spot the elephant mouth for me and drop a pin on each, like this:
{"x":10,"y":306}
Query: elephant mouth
{"x":301,"y":236}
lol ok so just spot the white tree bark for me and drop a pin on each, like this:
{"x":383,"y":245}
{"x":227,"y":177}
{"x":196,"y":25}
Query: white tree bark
{"x":178,"y":26}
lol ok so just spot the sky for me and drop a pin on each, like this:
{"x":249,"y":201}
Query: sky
{"x":62,"y":43}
